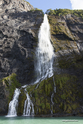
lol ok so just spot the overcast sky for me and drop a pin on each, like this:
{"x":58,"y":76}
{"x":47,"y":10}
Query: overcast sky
{"x":59,"y":4}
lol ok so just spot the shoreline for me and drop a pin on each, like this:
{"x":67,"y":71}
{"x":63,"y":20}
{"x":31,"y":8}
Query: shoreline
{"x":49,"y":115}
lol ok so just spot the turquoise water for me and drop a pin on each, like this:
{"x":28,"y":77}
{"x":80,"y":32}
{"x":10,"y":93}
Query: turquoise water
{"x":34,"y":120}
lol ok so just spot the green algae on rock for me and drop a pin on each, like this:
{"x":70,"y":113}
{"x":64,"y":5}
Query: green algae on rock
{"x":11,"y":84}
{"x":65,"y":100}
{"x":7,"y":88}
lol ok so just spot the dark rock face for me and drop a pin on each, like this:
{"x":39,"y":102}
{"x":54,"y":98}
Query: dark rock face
{"x":67,"y":39}
{"x":3,"y":99}
{"x":67,"y":34}
{"x":18,"y":39}
{"x":18,"y":31}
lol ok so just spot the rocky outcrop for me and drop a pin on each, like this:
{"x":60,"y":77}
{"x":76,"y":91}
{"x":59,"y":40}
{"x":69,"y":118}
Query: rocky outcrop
{"x":67,"y":39}
{"x":19,"y":25}
{"x":15,"y":5}
{"x":67,"y":34}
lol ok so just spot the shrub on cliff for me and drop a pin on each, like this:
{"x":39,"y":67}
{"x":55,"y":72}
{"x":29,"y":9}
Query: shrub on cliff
{"x":62,"y":12}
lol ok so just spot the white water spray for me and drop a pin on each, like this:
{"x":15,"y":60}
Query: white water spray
{"x":28,"y":107}
{"x":14,"y":104}
{"x":43,"y":67}
{"x":44,"y":52}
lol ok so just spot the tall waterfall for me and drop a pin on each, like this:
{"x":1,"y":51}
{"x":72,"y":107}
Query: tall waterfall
{"x":43,"y":68}
{"x":28,"y":106}
{"x":14,"y":104}
{"x":44,"y":52}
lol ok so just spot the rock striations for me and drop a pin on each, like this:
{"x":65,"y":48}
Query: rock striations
{"x":18,"y":31}
{"x":15,"y":5}
{"x":19,"y":25}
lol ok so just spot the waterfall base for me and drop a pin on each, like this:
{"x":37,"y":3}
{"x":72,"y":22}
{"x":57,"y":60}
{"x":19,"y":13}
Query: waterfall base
{"x":13,"y":105}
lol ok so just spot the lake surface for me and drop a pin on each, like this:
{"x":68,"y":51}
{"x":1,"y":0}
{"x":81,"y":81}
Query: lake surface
{"x":36,"y":120}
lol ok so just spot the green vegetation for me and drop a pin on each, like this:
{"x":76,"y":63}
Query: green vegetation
{"x":63,"y":45}
{"x":66,"y":98}
{"x":76,"y":62}
{"x":11,"y":83}
{"x":37,"y":10}
{"x":22,"y":98}
{"x":60,"y":28}
{"x":61,"y":32}
{"x":41,"y":95}
{"x":62,"y":12}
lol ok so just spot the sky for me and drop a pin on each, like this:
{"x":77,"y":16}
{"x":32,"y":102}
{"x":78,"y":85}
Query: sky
{"x":56,"y":4}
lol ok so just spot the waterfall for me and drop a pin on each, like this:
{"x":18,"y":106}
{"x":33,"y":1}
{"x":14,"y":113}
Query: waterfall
{"x":28,"y":106}
{"x":43,"y":68}
{"x":44,"y":52}
{"x":12,"y":111}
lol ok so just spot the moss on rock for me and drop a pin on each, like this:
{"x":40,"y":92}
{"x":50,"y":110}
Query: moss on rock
{"x":22,"y":98}
{"x":66,"y":94}
{"x":63,"y":12}
{"x":64,"y":25}
{"x":11,"y":84}
{"x":66,"y":62}
{"x":65,"y":100}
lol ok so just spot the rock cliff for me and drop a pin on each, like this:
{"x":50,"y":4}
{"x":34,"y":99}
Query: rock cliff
{"x":18,"y":38}
{"x":15,"y":6}
{"x":19,"y":25}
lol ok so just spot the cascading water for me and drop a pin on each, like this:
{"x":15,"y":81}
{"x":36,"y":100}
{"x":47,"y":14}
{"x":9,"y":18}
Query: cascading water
{"x":28,"y":106}
{"x":43,"y":68}
{"x":14,"y":104}
{"x":44,"y":52}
